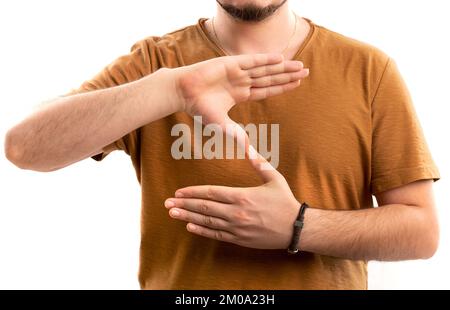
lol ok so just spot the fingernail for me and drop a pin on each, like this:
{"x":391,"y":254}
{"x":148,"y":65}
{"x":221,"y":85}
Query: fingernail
{"x":191,"y":227}
{"x":169,"y":203}
{"x":174,"y":213}
{"x":178,"y":194}
{"x":307,"y":71}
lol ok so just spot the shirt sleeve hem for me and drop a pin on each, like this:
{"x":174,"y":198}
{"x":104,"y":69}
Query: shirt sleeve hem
{"x":401,"y":177}
{"x":106,"y":150}
{"x":99,"y":157}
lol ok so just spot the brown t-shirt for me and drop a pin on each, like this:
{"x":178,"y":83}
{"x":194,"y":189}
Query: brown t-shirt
{"x":349,"y":131}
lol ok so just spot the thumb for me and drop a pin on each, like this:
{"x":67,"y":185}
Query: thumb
{"x":232,"y":129}
{"x":265,"y":170}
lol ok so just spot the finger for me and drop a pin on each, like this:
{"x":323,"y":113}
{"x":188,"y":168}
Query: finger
{"x":235,"y":131}
{"x":285,"y":66}
{"x":199,"y":219}
{"x":202,"y":206}
{"x":250,"y":61}
{"x":264,"y":169}
{"x":210,"y":192}
{"x":279,"y":79}
{"x":214,"y":234}
{"x":258,"y":93}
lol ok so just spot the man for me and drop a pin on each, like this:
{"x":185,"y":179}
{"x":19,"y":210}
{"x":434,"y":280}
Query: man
{"x":347,"y":133}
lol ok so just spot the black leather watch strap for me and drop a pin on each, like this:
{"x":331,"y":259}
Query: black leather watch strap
{"x":298,"y":226}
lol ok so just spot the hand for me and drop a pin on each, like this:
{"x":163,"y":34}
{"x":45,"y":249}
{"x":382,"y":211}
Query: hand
{"x":211,"y":88}
{"x":259,"y":217}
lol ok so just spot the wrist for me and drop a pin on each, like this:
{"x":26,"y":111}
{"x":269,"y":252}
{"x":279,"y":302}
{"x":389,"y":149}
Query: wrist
{"x":309,"y":223}
{"x":164,"y":82}
{"x":171,"y":78}
{"x":295,"y":244}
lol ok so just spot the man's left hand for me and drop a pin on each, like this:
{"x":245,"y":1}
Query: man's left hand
{"x":259,"y":217}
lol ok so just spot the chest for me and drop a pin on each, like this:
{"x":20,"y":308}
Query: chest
{"x":306,"y":131}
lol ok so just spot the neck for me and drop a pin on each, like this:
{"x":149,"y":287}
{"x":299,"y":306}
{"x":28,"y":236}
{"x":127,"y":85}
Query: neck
{"x":271,"y":35}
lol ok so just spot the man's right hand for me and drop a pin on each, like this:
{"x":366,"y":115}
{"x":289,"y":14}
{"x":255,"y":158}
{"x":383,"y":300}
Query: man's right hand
{"x":71,"y":128}
{"x":211,"y":88}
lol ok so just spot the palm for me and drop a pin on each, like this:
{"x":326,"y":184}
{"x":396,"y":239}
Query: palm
{"x":211,"y":88}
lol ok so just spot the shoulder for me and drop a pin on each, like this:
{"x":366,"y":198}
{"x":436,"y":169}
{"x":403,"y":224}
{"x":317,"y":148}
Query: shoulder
{"x":169,"y":50}
{"x":342,"y":48}
{"x":358,"y":64}
{"x":168,"y":39}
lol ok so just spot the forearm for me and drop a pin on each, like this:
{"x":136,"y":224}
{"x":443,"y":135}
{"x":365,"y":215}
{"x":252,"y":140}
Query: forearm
{"x":69,"y":129}
{"x":388,"y":233}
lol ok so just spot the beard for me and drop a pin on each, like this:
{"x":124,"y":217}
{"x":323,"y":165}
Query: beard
{"x":251,"y":12}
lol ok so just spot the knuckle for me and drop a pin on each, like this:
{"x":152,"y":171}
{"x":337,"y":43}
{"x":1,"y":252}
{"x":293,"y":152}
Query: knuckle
{"x":204,"y":206}
{"x":240,"y":217}
{"x":218,"y":235}
{"x":210,"y":192}
{"x":208,"y":221}
{"x":242,"y":199}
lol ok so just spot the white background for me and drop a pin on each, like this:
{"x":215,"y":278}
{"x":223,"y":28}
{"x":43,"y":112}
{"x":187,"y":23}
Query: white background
{"x":78,"y":228}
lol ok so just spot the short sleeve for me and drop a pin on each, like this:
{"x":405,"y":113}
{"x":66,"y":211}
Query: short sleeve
{"x":123,"y":70}
{"x":400,"y":154}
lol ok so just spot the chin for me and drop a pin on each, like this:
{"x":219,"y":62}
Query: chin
{"x":242,"y":3}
